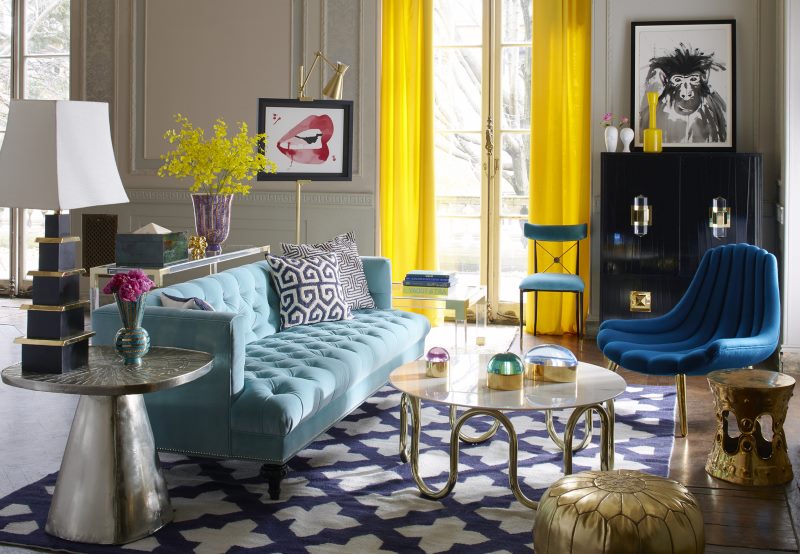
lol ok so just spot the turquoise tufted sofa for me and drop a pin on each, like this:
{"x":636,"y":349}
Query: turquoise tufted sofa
{"x":270,"y":392}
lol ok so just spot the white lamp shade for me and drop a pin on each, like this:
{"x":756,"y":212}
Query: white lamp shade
{"x":57,"y":155}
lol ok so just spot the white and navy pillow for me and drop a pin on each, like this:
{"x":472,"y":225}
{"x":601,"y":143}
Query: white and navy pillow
{"x":354,"y":281}
{"x":193,"y":303}
{"x":309,"y":290}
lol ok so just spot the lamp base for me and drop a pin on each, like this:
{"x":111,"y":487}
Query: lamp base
{"x":54,"y":359}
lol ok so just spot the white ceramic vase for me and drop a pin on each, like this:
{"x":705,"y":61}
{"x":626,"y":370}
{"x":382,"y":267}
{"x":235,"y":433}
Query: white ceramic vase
{"x":611,"y":136}
{"x":626,"y":136}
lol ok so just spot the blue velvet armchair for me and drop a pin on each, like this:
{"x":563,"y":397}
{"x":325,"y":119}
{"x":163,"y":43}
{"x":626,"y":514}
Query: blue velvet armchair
{"x":729,"y":317}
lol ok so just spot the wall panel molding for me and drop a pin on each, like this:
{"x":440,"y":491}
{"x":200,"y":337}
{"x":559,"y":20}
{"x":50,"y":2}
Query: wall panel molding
{"x":318,"y":199}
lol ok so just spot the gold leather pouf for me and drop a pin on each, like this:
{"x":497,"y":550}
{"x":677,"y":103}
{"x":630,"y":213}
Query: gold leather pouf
{"x":617,"y":512}
{"x":752,"y":457}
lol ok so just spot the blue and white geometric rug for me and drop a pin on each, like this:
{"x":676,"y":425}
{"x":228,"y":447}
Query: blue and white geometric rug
{"x":349,"y":492}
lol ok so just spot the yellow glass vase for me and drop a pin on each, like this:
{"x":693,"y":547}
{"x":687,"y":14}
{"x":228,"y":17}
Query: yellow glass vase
{"x":652,"y":135}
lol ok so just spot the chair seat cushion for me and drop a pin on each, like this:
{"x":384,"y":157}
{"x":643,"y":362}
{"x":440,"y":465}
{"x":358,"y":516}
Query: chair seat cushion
{"x":552,"y":282}
{"x":669,"y":353}
{"x":292,"y":375}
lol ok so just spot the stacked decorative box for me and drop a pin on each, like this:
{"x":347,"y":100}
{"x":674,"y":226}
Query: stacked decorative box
{"x":420,"y":281}
{"x":56,"y":339}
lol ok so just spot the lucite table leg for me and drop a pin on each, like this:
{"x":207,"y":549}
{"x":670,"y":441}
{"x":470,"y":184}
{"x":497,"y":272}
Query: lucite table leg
{"x":606,"y":435}
{"x":410,"y":405}
{"x":110,"y":489}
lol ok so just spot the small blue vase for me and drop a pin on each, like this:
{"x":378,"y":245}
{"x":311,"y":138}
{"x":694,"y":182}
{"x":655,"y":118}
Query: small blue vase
{"x":132,"y":341}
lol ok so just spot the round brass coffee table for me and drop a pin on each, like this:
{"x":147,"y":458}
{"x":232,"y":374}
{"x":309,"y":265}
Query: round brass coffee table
{"x":110,"y":489}
{"x":465,"y":386}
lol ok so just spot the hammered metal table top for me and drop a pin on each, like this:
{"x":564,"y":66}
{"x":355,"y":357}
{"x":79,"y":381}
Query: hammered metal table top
{"x":106,"y":375}
{"x":751,"y":378}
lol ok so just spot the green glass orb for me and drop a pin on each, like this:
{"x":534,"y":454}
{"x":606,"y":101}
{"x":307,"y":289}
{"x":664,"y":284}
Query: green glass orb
{"x":505,"y":363}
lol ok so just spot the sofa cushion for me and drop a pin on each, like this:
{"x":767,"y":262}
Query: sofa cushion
{"x":309,"y":289}
{"x":351,"y":270}
{"x":292,"y":375}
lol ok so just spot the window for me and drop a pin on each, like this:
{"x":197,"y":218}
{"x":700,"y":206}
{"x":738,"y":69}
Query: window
{"x":482,"y":99}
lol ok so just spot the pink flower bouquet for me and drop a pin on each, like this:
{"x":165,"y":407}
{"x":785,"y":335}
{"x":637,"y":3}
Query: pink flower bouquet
{"x":130,"y":286}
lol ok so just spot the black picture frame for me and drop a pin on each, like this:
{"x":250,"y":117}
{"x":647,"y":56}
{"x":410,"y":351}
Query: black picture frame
{"x":280,"y":119}
{"x":707,"y":66}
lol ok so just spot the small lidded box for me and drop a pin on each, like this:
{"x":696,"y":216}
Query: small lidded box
{"x":437,"y":362}
{"x":505,"y":372}
{"x":551,"y":362}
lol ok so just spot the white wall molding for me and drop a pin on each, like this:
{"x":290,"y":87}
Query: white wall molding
{"x":310,"y":199}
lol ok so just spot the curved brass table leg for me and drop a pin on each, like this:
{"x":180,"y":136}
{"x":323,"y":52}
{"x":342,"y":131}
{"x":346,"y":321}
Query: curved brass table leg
{"x":513,"y":448}
{"x":404,"y":409}
{"x":470,"y":439}
{"x":606,"y":436}
{"x":551,"y":430}
{"x":410,"y":404}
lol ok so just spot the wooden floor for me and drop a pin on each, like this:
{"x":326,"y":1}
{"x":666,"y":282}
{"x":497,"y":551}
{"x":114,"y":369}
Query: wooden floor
{"x":34,"y":427}
{"x":737,"y":519}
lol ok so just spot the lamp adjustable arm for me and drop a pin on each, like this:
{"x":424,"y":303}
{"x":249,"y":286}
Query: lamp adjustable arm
{"x":304,"y":78}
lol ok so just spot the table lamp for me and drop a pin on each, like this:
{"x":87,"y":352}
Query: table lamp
{"x":57,"y":155}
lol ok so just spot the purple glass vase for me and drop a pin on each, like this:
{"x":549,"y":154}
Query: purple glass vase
{"x":212,"y":219}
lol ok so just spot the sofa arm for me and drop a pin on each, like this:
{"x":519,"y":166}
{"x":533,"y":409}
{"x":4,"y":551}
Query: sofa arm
{"x":379,"y":279}
{"x":196,"y":416}
{"x":218,"y":333}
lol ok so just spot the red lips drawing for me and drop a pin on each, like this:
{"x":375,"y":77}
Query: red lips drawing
{"x":307,"y":142}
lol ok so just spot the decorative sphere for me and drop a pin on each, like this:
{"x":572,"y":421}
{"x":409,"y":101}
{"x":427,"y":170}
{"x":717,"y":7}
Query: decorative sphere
{"x":437,"y":362}
{"x":551,"y":362}
{"x":505,"y":363}
{"x":505,"y":372}
{"x":437,"y":354}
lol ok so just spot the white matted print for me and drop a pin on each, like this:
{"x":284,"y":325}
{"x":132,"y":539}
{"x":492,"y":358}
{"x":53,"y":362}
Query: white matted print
{"x":307,"y":140}
{"x":691,"y":64}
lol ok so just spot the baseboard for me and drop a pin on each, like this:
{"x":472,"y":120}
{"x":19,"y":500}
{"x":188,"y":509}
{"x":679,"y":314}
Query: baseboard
{"x":789,"y":359}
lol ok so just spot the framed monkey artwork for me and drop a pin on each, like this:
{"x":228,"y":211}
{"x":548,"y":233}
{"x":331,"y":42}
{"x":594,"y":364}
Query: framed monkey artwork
{"x":692,"y":66}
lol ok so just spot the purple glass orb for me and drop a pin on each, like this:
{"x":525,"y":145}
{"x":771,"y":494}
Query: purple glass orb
{"x":437,"y":362}
{"x":437,"y":354}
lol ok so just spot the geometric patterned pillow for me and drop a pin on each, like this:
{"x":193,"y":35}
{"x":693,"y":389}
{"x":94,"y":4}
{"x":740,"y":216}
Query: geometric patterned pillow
{"x":308,"y":289}
{"x":351,"y":269}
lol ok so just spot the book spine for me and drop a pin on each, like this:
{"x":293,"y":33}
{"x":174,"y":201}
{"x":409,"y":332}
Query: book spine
{"x":432,"y":278}
{"x":416,"y":283}
{"x":433,"y":291}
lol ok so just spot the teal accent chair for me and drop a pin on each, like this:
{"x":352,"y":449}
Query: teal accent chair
{"x":728,"y":318}
{"x":542,"y":281}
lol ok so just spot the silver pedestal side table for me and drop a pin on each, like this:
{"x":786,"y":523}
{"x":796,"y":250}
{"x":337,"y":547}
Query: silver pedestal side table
{"x":110,"y":489}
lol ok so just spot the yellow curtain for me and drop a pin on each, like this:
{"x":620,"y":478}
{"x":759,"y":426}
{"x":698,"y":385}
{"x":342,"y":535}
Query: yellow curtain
{"x":407,"y":202}
{"x":560,"y":152}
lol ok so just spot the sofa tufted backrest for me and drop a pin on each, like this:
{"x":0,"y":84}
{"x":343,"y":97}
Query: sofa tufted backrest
{"x":245,"y":290}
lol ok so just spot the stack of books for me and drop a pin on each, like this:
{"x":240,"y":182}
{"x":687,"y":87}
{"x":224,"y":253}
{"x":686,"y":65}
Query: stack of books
{"x":420,"y":281}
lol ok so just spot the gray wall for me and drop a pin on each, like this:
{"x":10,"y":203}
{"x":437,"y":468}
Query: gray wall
{"x":756,"y":99}
{"x":207,"y":59}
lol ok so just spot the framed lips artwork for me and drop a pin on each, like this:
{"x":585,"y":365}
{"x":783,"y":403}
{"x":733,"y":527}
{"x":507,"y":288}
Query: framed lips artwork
{"x":307,"y":140}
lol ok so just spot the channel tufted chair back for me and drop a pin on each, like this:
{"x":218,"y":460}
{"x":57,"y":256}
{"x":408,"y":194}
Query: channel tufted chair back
{"x":729,"y":317}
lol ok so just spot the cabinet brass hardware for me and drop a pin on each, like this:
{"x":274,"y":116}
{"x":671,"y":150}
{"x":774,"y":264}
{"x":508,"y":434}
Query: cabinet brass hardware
{"x":640,"y":301}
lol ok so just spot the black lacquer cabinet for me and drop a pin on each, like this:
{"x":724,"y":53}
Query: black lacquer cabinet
{"x":643,"y":276}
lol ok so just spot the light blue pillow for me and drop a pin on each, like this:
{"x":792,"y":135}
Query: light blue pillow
{"x":309,"y":289}
{"x":193,"y":303}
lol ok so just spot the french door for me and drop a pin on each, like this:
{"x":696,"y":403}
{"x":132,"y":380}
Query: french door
{"x":34,"y":63}
{"x":482,"y":98}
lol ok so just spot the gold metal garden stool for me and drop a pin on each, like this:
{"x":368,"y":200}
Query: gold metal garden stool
{"x":758,"y":455}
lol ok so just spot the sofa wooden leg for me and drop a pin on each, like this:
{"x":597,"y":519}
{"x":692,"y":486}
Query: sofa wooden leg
{"x":274,"y":474}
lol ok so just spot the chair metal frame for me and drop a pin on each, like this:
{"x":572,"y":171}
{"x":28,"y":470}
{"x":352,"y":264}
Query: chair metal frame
{"x":556,"y":260}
